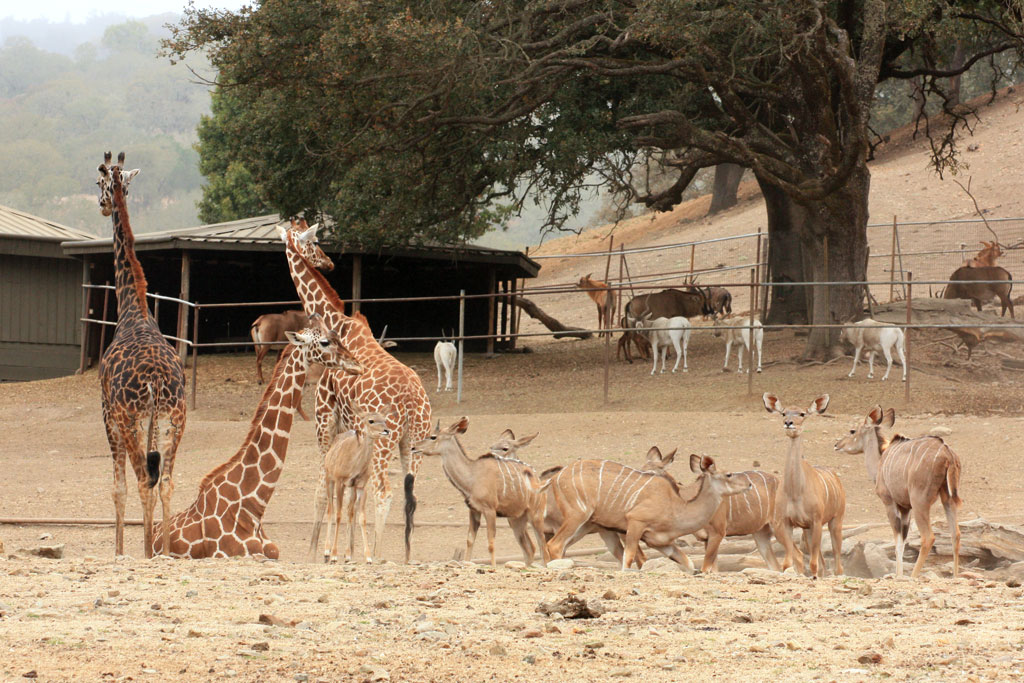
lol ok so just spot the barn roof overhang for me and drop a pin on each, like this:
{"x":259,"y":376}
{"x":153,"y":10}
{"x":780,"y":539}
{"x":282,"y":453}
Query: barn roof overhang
{"x":22,"y":234}
{"x":259,"y":234}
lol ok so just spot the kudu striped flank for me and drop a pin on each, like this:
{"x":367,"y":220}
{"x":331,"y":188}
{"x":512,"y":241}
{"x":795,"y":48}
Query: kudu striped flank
{"x":748,"y":513}
{"x":809,"y":496}
{"x":908,"y":474}
{"x":493,"y":487}
{"x":645,"y":506}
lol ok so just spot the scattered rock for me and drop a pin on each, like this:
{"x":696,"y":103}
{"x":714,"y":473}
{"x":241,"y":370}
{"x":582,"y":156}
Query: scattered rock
{"x":382,"y":604}
{"x":30,"y":674}
{"x":940,"y":431}
{"x":742,"y":618}
{"x":301,"y":678}
{"x":867,"y":561}
{"x":594,"y":645}
{"x":562,"y":563}
{"x":323,"y":599}
{"x":759,"y":576}
{"x":1013,"y":582}
{"x":612,"y":595}
{"x":192,"y":633}
{"x":192,"y":594}
{"x":498,"y":650}
{"x":261,"y":646}
{"x":659,"y":564}
{"x":869,"y":658}
{"x":518,"y":564}
{"x":621,"y":673}
{"x":963,"y":622}
{"x":229,"y":673}
{"x":532,"y":633}
{"x":573,"y":607}
{"x":530,"y":659}
{"x":551,"y":628}
{"x":271,"y":620}
{"x":53,"y":552}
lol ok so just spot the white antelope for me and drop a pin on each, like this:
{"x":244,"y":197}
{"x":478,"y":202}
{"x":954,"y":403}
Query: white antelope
{"x":809,"y":496}
{"x":346,"y":467}
{"x":492,"y":486}
{"x":664,"y":331}
{"x":876,"y":337}
{"x":648,"y":506}
{"x":741,"y":337}
{"x":908,"y":474}
{"x":445,"y":356}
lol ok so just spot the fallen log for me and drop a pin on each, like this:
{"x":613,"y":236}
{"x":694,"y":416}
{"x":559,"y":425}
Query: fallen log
{"x":560,"y":330}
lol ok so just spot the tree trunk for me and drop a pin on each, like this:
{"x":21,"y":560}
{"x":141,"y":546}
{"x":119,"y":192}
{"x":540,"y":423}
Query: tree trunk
{"x":796,"y":234}
{"x":917,"y":94}
{"x":727,"y":181}
{"x":954,"y":81}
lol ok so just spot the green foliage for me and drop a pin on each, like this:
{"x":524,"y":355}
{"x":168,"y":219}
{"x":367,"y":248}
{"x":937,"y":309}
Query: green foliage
{"x":58,"y":115}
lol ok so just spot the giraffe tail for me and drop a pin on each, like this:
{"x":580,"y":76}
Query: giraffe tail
{"x":153,"y":460}
{"x":410,"y":510}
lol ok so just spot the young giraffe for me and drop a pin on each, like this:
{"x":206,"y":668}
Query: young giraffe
{"x":141,"y":378}
{"x":385,"y":381}
{"x":225,"y":519}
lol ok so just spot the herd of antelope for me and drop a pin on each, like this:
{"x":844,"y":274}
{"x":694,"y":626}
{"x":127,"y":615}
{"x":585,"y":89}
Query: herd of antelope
{"x":625,"y":505}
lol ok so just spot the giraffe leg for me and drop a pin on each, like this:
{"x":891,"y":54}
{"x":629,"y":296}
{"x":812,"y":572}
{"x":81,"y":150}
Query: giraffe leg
{"x":119,"y":491}
{"x":169,"y":449}
{"x":382,"y":490}
{"x":137,"y":458}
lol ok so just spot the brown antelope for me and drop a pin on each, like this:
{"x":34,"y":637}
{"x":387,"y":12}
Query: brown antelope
{"x":809,"y":496}
{"x":613,"y":540}
{"x":647,"y":506}
{"x":346,"y":467}
{"x":908,"y":474}
{"x":748,"y":513}
{"x":493,"y":487}
{"x":270,"y":329}
{"x":602,"y":295}
{"x":986,"y":257}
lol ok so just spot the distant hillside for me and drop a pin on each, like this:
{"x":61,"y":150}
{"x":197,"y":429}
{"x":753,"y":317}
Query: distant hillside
{"x":59,"y":113}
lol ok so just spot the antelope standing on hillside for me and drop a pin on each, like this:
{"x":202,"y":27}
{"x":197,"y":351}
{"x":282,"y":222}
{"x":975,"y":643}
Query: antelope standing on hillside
{"x":748,"y":513}
{"x":346,"y":467}
{"x":646,"y":505}
{"x":493,"y":487}
{"x":986,"y":257}
{"x":741,"y":337}
{"x":603,"y":296}
{"x":908,"y":474}
{"x":809,"y":496}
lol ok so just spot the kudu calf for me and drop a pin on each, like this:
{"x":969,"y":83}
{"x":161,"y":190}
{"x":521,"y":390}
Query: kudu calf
{"x":908,"y":474}
{"x":809,"y":496}
{"x":632,"y":337}
{"x":346,"y":467}
{"x":646,"y":506}
{"x":492,"y":486}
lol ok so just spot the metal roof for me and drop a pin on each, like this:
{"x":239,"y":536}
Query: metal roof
{"x":260,"y":234}
{"x":16,"y":224}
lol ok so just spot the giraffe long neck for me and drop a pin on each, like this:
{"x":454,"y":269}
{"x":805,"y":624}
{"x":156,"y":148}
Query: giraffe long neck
{"x":129,"y":279}
{"x":262,"y":455}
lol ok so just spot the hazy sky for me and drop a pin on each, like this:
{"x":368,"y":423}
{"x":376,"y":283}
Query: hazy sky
{"x":80,"y":10}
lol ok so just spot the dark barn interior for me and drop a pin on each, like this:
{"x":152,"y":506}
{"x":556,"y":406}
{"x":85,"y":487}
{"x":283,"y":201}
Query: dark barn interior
{"x":218,"y":266}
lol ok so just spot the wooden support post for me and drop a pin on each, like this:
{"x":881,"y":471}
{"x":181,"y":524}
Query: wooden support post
{"x":492,"y":301}
{"x":757,"y":266}
{"x":892,"y":264}
{"x":516,"y":309}
{"x":765,"y":277}
{"x":619,"y":291}
{"x":462,"y":332}
{"x":693,"y":250}
{"x":103,"y":328}
{"x":828,"y":296}
{"x":750,"y":333}
{"x":513,"y":318}
{"x":84,"y":326}
{"x":357,"y":281}
{"x":183,"y":294}
{"x":607,"y":310}
{"x":195,"y":350}
{"x":504,"y":312}
{"x":906,"y":339}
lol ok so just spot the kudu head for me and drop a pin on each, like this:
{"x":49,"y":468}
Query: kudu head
{"x":793,"y":418}
{"x":372,"y":424}
{"x":507,"y":445}
{"x":435,"y":443}
{"x":723,"y":484}
{"x":855,"y":442}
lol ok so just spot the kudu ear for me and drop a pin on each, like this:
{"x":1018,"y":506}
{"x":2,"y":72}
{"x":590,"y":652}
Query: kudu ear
{"x":654,"y":455}
{"x":874,"y":415}
{"x":508,"y":434}
{"x":666,"y":460}
{"x":819,"y":405}
{"x":695,"y":463}
{"x":772,"y":403}
{"x":707,"y":464}
{"x":525,"y":441}
{"x":459,"y":427}
{"x":889,"y":419}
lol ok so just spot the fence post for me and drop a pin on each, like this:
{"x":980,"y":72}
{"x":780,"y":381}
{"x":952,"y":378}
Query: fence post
{"x":462,"y":332}
{"x":892,"y":263}
{"x":195,"y":350}
{"x":757,"y":266}
{"x":693,"y":248}
{"x":906,"y":340}
{"x":750,"y":332}
{"x":85,"y":314}
{"x":608,"y":309}
{"x":763,"y":278}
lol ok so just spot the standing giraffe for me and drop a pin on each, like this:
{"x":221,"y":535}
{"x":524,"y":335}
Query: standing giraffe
{"x":141,"y":378}
{"x":226,"y":518}
{"x":385,"y":381}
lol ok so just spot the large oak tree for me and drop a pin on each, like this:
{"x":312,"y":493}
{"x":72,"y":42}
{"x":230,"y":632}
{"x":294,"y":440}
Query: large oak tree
{"x":413,"y":121}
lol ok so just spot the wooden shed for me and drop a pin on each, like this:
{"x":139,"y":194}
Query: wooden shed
{"x":243,"y":261}
{"x":40,"y":297}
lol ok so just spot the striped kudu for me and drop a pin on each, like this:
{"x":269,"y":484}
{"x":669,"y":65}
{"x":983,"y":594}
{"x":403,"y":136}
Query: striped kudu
{"x":645,"y":506}
{"x":747,"y":513}
{"x":809,"y":496}
{"x":493,"y":487}
{"x":908,"y":474}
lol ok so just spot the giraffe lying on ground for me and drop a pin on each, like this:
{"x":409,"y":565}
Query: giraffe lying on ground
{"x":226,"y":518}
{"x":141,"y":377}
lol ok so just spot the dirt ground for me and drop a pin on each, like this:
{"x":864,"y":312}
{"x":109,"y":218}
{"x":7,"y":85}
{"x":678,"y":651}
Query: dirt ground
{"x":91,"y":616}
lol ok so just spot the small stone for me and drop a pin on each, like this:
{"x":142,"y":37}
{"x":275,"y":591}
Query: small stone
{"x":515,"y":564}
{"x":498,"y":650}
{"x":621,"y":673}
{"x":742,"y":618}
{"x":53,"y":552}
{"x":677,"y":592}
{"x":229,"y":673}
{"x":562,"y":563}
{"x":940,"y":431}
{"x":45,"y":537}
{"x":757,"y":648}
{"x":304,"y":626}
{"x":301,"y":678}
{"x":889,"y":642}
{"x":532,"y":633}
{"x":192,"y":594}
{"x":323,"y":599}
{"x":382,"y":604}
{"x":150,"y":671}
{"x":757,"y":463}
{"x":610,"y":595}
{"x":594,"y":645}
{"x":113,"y":594}
{"x":869,"y":658}
{"x":551,"y":628}
{"x":261,"y":646}
{"x":530,"y":659}
{"x":192,"y":633}
{"x":424,"y":626}
{"x":1013,"y":583}
{"x":155,"y":607}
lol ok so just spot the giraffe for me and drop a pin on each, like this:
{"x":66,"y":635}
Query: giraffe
{"x":142,"y":381}
{"x":226,"y":518}
{"x":385,"y":381}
